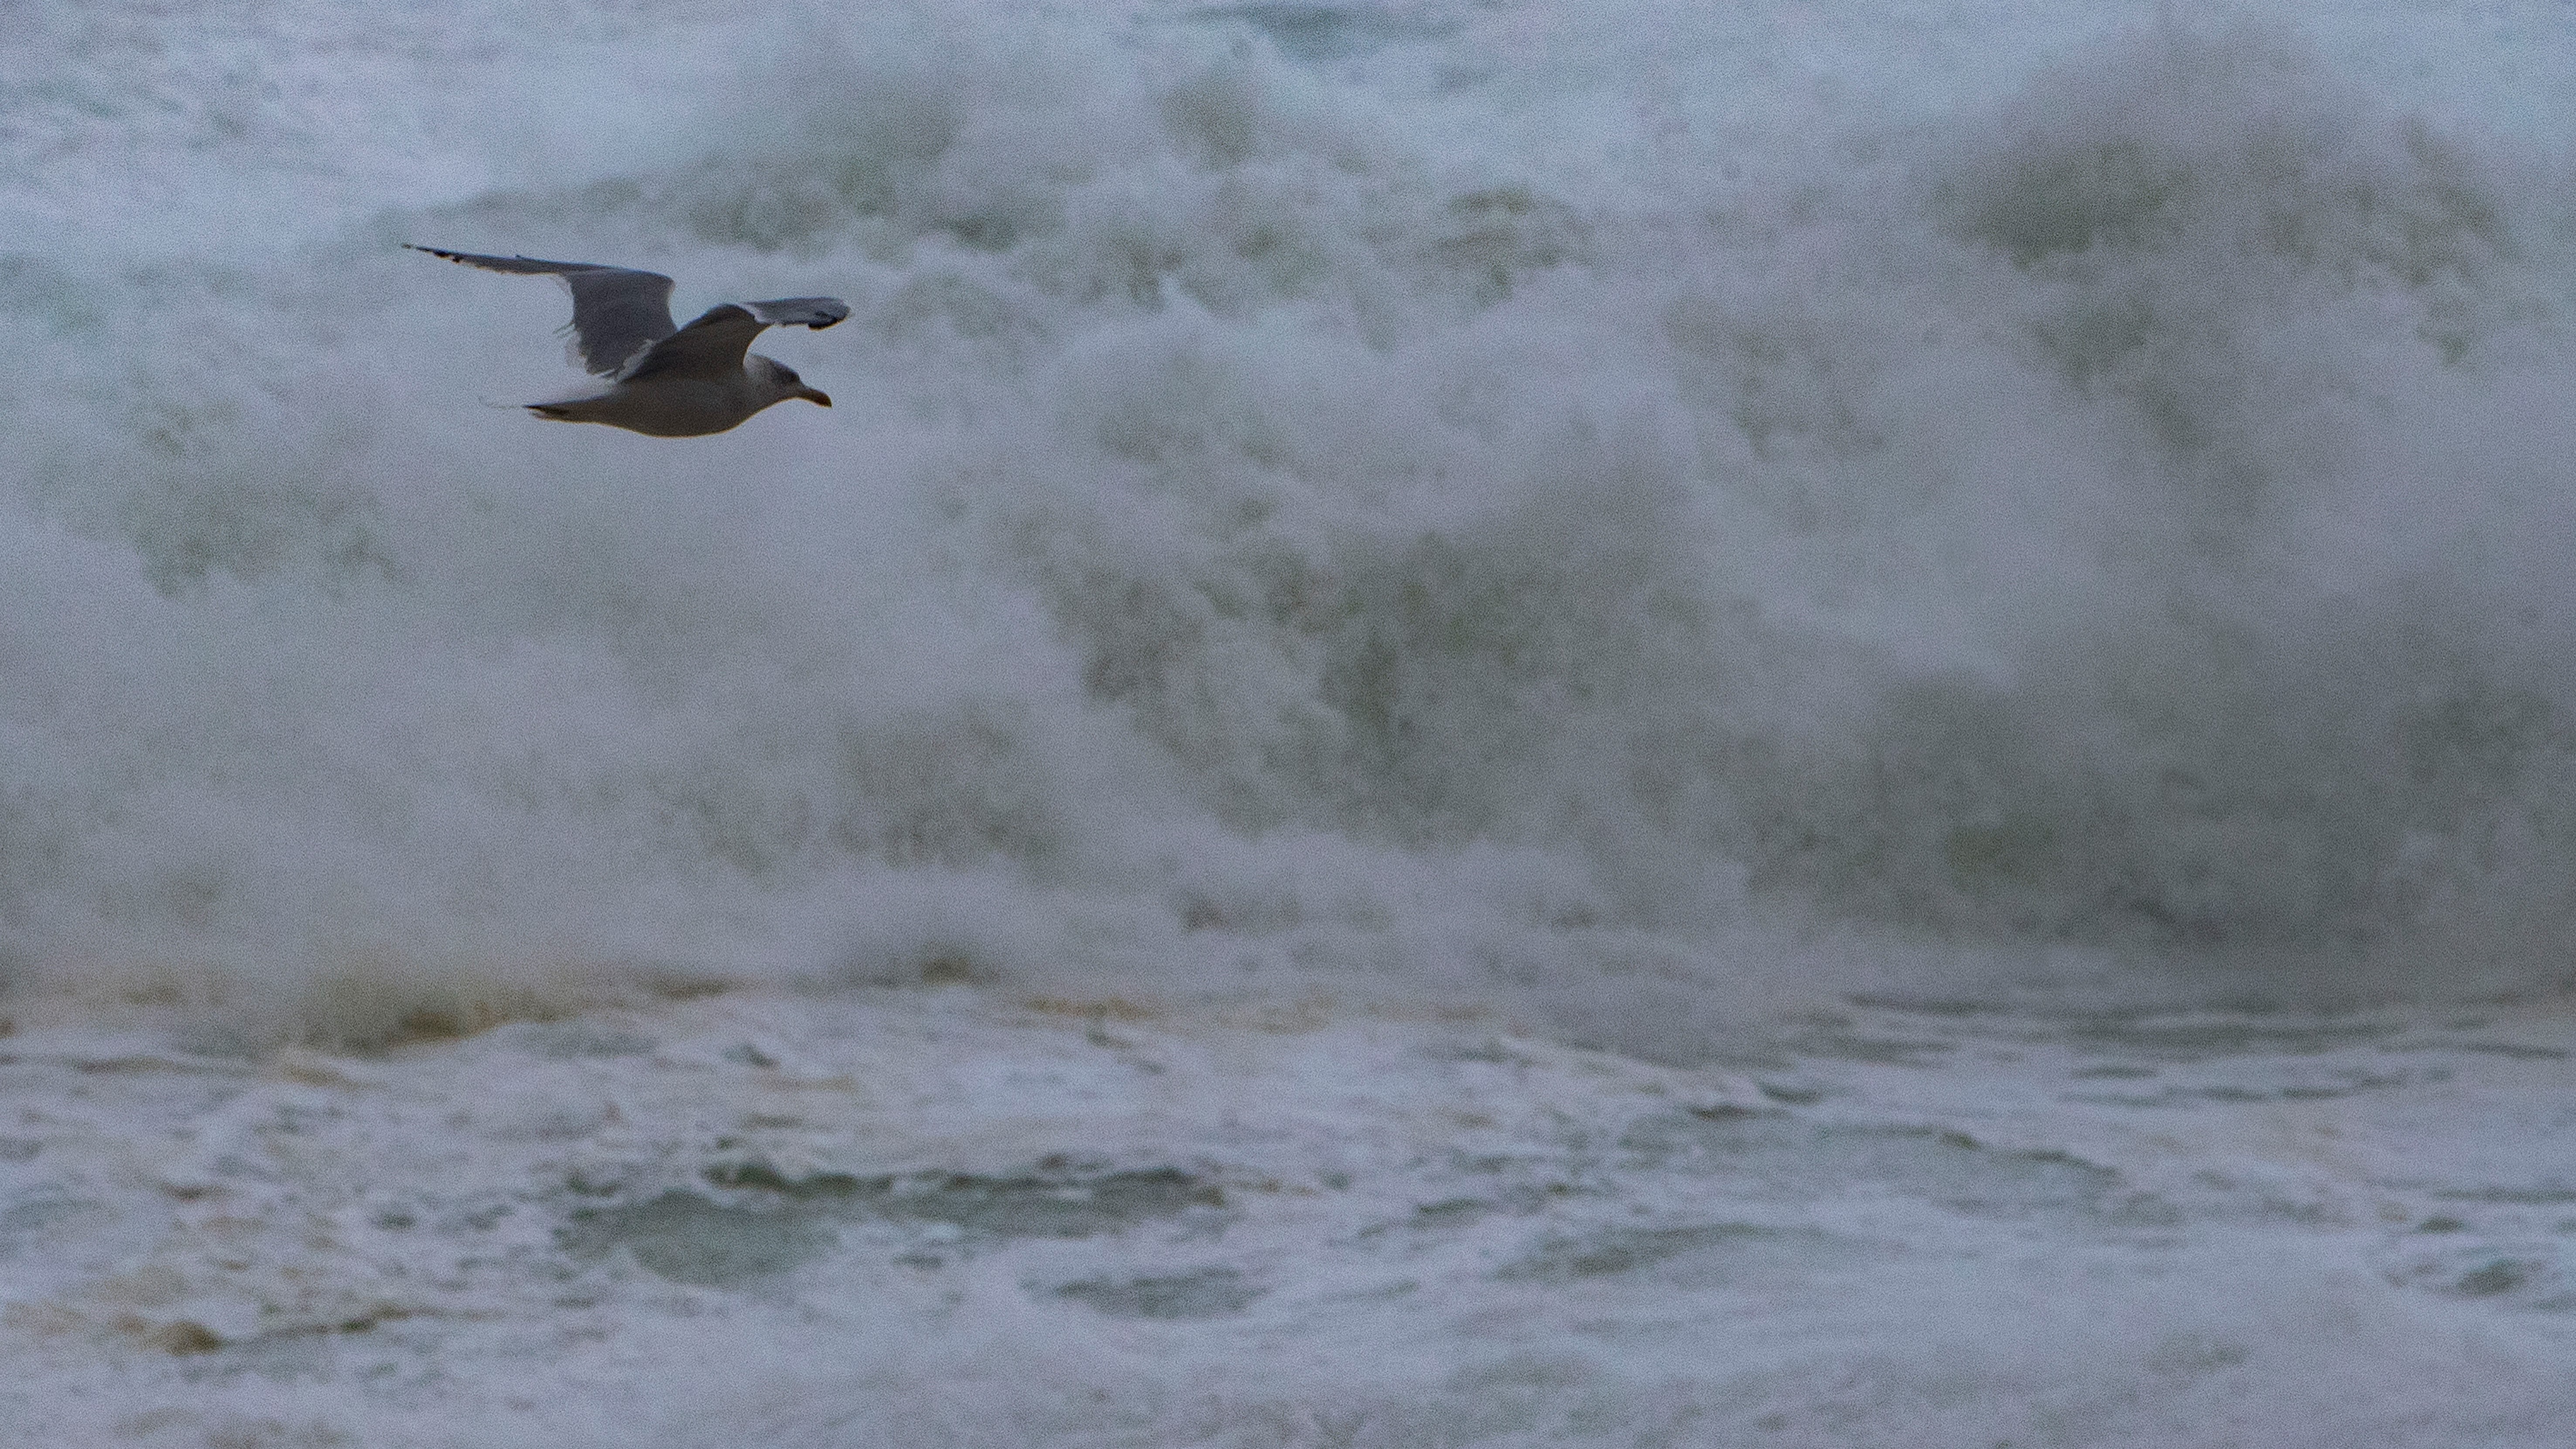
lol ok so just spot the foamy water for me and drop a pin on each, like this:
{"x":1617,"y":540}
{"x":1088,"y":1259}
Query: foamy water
{"x":1401,"y":608}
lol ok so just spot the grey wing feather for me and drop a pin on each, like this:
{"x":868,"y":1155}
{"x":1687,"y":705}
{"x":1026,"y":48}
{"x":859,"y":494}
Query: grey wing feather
{"x":712,"y":346}
{"x":617,"y":312}
{"x":815,"y":312}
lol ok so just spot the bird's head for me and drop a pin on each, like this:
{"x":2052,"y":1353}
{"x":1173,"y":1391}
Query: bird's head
{"x":784,"y":384}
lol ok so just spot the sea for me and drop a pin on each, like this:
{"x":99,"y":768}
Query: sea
{"x":1802,"y":724}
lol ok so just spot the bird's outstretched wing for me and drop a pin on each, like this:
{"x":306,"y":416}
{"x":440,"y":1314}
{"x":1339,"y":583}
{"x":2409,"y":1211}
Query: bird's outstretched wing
{"x":713,"y":345}
{"x":617,"y":312}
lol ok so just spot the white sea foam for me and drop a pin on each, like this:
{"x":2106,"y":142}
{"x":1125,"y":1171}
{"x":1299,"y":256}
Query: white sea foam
{"x":2116,"y":505}
{"x":1363,"y":552}
{"x":1399,"y":489}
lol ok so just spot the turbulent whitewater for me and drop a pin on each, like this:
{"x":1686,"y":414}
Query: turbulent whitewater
{"x":1481,"y":723}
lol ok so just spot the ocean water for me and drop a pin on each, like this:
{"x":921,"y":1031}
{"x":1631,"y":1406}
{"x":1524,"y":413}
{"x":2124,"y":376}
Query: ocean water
{"x":1481,"y":723}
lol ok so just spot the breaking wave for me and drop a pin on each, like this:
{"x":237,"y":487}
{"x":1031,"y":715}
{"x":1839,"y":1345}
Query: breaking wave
{"x":1289,"y":524}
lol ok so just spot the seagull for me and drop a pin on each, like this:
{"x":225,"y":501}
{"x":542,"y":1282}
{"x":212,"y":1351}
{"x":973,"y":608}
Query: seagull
{"x":666,"y":380}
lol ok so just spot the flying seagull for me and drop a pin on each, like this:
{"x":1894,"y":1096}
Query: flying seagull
{"x":666,"y":380}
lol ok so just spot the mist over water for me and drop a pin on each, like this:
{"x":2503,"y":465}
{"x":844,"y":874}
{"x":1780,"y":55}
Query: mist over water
{"x":1418,"y":496}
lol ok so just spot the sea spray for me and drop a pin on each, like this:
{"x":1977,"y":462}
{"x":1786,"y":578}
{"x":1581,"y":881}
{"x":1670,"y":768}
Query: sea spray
{"x":2117,"y":516}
